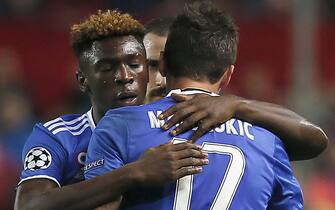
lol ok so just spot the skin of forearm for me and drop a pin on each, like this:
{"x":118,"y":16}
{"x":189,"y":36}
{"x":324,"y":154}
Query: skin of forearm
{"x":111,"y":206}
{"x":303,"y":140}
{"x":174,"y":162}
{"x":87,"y":194}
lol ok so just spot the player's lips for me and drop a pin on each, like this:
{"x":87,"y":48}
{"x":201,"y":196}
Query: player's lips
{"x":127,"y":97}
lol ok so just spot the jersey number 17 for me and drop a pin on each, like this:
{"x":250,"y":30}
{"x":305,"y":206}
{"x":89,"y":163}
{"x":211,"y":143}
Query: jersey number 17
{"x":229,"y":183}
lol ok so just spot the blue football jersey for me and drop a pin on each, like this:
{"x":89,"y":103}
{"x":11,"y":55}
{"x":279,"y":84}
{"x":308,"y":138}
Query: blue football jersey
{"x":56,"y":150}
{"x":248,"y":169}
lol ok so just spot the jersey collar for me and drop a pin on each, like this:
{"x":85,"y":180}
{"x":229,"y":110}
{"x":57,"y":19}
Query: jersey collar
{"x":90,"y":119}
{"x":190,"y":91}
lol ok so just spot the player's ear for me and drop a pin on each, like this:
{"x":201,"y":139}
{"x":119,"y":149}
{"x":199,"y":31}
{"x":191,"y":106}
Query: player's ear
{"x":82,"y":81}
{"x":227,"y":76}
{"x":162,"y":66}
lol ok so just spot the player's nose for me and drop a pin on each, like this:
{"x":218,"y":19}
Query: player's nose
{"x":124,"y":75}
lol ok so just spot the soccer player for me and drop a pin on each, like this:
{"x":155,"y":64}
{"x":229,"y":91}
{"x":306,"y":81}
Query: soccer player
{"x":39,"y":188}
{"x":248,"y":169}
{"x":112,"y":71}
{"x":302,"y":139}
{"x":154,"y":41}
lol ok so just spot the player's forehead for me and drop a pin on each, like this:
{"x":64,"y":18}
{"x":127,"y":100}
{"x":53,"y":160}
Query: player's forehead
{"x":116,"y":48}
{"x":154,"y":44}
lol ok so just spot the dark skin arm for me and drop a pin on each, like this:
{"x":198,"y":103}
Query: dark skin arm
{"x":302,"y":139}
{"x":157,"y":166}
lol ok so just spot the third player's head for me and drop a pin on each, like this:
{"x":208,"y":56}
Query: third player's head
{"x":112,"y":59}
{"x":201,"y":47}
{"x":156,"y":33}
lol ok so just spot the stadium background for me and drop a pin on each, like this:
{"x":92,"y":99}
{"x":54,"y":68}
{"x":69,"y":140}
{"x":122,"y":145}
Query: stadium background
{"x":286,"y":56}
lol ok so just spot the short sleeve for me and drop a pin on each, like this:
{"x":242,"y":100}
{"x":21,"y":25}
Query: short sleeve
{"x":43,"y":156}
{"x":287,"y":194}
{"x":107,"y":149}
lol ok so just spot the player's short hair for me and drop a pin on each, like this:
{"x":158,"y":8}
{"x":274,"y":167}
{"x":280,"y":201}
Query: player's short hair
{"x":103,"y":25}
{"x":159,"y":26}
{"x":202,"y":43}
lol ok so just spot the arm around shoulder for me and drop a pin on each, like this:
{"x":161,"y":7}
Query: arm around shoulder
{"x":303,"y":140}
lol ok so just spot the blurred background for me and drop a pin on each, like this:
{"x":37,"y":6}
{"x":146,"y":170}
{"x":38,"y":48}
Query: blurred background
{"x":286,"y":56}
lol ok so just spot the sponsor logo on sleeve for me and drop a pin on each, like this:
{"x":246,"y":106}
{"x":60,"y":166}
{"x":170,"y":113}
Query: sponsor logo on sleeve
{"x":94,"y":164}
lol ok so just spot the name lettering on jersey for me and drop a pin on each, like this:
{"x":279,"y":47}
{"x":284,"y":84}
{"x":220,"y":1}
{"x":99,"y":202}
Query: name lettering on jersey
{"x":154,"y":121}
{"x":232,"y":127}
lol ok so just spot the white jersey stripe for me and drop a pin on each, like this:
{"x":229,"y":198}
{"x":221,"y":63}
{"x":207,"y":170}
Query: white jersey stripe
{"x":73,"y":133}
{"x":62,"y":124}
{"x":65,"y":122}
{"x":90,"y":119}
{"x":52,"y":121}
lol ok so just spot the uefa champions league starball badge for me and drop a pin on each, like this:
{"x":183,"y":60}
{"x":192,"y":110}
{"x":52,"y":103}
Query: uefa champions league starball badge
{"x":37,"y":158}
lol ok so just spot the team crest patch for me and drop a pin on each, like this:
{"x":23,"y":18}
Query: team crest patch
{"x":37,"y":158}
{"x":81,"y":158}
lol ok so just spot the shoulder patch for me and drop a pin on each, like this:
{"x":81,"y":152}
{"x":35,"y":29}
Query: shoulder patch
{"x":37,"y":158}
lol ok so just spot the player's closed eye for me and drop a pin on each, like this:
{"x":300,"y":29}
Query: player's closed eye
{"x":106,"y":67}
{"x":134,"y":65}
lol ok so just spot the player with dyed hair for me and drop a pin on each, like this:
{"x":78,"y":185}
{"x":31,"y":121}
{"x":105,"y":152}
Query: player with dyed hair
{"x":113,"y":72}
{"x":42,"y":174}
{"x":248,"y":169}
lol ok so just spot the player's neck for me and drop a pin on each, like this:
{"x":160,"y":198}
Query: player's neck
{"x":183,"y":82}
{"x":97,"y":114}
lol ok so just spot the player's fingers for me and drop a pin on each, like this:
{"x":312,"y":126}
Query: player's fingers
{"x":184,"y":146}
{"x":196,"y":135}
{"x":179,"y":116}
{"x":181,"y":97}
{"x":203,"y":127}
{"x":171,"y":110}
{"x":189,"y":153}
{"x":187,"y":171}
{"x":189,"y":122}
{"x":186,"y":162}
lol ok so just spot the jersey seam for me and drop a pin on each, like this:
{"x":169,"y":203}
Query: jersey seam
{"x":57,"y":140}
{"x":74,"y":158}
{"x":275,"y":166}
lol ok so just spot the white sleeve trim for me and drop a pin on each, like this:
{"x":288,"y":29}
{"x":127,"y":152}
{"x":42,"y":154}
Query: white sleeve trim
{"x":39,"y":177}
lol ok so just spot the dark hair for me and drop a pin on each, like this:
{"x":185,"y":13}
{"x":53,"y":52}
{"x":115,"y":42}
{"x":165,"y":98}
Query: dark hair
{"x":202,"y":43}
{"x":159,"y":26}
